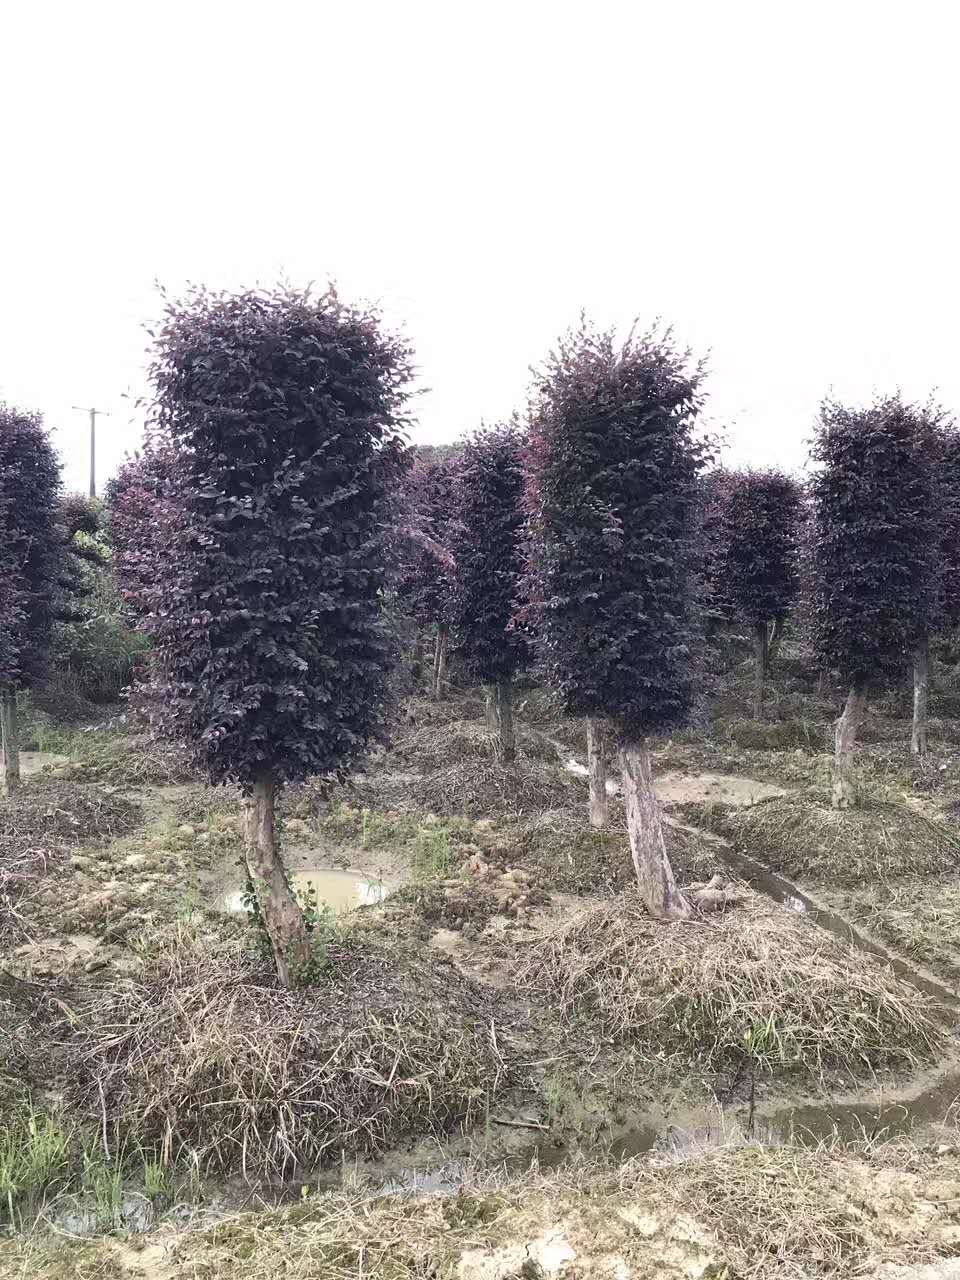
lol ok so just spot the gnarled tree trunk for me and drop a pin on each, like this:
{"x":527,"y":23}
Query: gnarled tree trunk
{"x":597,"y":771}
{"x":10,"y":737}
{"x":499,"y":698}
{"x":279,"y":909}
{"x":760,"y":659}
{"x":921,"y":690}
{"x":844,"y":785}
{"x":440,"y":661}
{"x":658,"y":888}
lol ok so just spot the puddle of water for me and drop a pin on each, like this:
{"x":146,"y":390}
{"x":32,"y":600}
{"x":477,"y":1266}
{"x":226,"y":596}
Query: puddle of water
{"x":340,"y":890}
{"x":83,"y":1217}
{"x":711,"y":1128}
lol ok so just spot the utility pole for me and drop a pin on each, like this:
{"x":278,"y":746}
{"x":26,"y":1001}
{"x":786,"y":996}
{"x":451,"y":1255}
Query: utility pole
{"x":93,"y":443}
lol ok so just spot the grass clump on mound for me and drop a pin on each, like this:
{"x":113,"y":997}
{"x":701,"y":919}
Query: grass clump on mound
{"x":419,"y":711}
{"x":802,"y":836}
{"x":117,"y":758}
{"x":755,"y":984}
{"x":206,"y":1056}
{"x":775,"y":735}
{"x":47,"y":814}
{"x":437,"y":746}
{"x":43,"y":819}
{"x":486,"y":788}
{"x":572,"y":857}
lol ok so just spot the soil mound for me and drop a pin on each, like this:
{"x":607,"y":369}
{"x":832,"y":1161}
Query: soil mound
{"x":756,"y":986}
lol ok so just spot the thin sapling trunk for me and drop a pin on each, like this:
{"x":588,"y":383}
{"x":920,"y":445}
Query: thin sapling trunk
{"x":597,"y":771}
{"x":499,"y":699}
{"x":279,"y":909}
{"x":440,"y":661}
{"x":776,"y":639}
{"x":921,"y":692}
{"x":10,"y":736}
{"x":761,"y":658}
{"x":658,"y":888}
{"x":844,"y":785}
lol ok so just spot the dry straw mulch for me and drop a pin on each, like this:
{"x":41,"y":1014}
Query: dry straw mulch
{"x":487,"y":789}
{"x":802,"y":836}
{"x":747,"y":1211}
{"x":206,"y":1056}
{"x":756,"y":984}
{"x":39,"y":823}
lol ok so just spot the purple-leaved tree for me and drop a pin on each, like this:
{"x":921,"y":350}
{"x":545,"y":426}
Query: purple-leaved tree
{"x":613,"y":499}
{"x":284,"y":413}
{"x":425,"y":565}
{"x":873,"y":554}
{"x":36,"y":578}
{"x":486,"y":541}
{"x":759,"y":558}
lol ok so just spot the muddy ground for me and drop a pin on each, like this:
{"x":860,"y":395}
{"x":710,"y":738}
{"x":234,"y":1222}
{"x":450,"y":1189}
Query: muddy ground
{"x":783,"y":1073}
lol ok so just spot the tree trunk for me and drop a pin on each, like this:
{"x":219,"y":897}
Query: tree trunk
{"x":644,"y":826}
{"x":844,"y":786}
{"x":776,"y":639}
{"x":416,"y":656}
{"x":500,"y":720}
{"x":440,"y":662}
{"x":921,"y":690}
{"x":597,"y":769}
{"x":10,"y":737}
{"x":760,"y":659}
{"x":279,"y":909}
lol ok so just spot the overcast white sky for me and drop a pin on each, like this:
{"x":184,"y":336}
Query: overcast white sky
{"x":778,"y":181}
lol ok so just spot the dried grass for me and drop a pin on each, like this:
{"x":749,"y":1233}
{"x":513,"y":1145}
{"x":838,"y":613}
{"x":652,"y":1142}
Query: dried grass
{"x":206,"y":1054}
{"x":455,"y":706}
{"x":437,"y":746}
{"x":43,"y":819}
{"x":794,"y":734}
{"x":114,"y":757}
{"x":802,"y":836}
{"x":486,"y":788}
{"x":749,"y":1212}
{"x":757,"y":983}
{"x":570,"y":856}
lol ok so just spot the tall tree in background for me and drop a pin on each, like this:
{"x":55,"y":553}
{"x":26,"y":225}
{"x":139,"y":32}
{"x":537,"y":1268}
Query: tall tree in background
{"x":34,"y":572}
{"x":425,"y":565}
{"x":759,"y":563}
{"x":142,"y":519}
{"x":715,"y":489}
{"x":874,"y":552}
{"x":613,"y":497}
{"x":486,"y":541}
{"x":271,"y":656}
{"x":946,"y":615}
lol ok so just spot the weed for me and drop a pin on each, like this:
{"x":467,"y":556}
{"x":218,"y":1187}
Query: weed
{"x":102,"y":1179}
{"x":156,"y":1179}
{"x":432,"y":857}
{"x":35,"y":1154}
